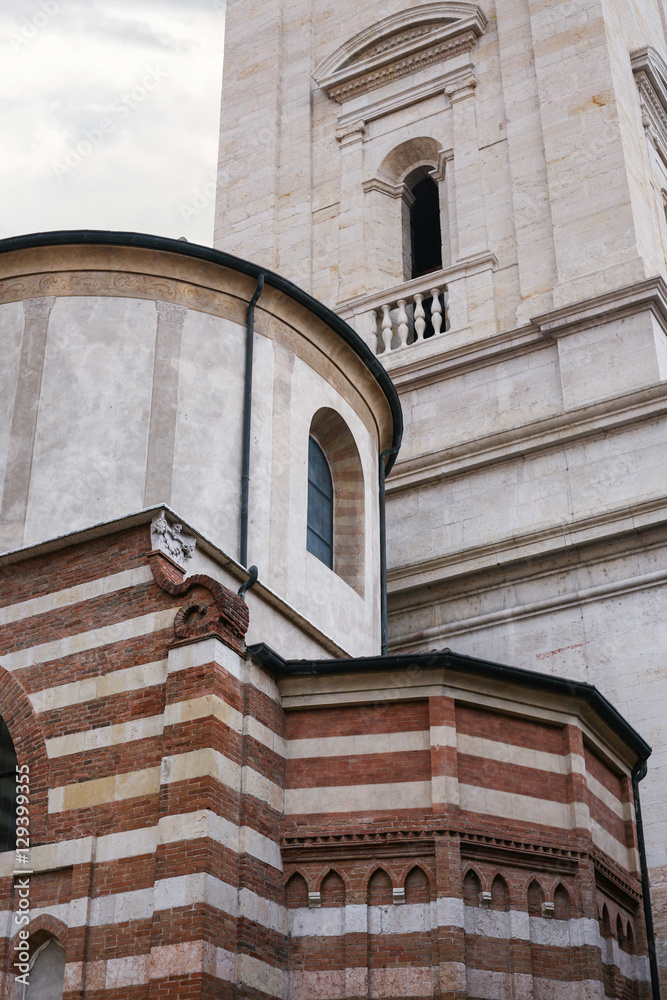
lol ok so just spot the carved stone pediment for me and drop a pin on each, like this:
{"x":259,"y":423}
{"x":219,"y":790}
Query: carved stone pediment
{"x":399,"y":45}
{"x":650,"y":72}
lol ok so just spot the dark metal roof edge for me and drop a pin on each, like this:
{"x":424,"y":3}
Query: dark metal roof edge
{"x":459,"y":661}
{"x":144,"y":241}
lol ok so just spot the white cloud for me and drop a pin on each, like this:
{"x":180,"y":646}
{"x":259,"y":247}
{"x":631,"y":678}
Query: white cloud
{"x":109,"y":118}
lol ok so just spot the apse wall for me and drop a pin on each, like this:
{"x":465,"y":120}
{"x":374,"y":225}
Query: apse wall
{"x":123,"y":388}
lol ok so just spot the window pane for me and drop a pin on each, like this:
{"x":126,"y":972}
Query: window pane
{"x":320,"y":505}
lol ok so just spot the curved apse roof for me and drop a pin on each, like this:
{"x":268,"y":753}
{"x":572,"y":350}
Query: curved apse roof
{"x":143,"y":241}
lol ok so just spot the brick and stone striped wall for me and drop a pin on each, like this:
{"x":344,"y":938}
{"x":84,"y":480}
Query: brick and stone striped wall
{"x":201,"y":828}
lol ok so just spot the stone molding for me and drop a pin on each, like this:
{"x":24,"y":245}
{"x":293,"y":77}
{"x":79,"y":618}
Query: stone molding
{"x":225,"y":616}
{"x":38,"y":308}
{"x":650,"y":72}
{"x":533,"y":545}
{"x":350,"y":131}
{"x":398,"y":45}
{"x":168,"y":537}
{"x":516,"y":443}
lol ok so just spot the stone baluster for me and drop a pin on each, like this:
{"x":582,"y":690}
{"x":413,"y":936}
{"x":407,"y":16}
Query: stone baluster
{"x":403,"y":328}
{"x":374,"y":330}
{"x":420,"y":316}
{"x":436,"y":310}
{"x":387,"y":329}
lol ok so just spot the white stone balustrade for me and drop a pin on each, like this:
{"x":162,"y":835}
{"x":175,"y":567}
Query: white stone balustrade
{"x":404,"y":321}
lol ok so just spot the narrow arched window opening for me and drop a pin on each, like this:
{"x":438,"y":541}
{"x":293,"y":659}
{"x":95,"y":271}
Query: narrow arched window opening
{"x":425,"y":233}
{"x":7,"y":790}
{"x":320,"y":505}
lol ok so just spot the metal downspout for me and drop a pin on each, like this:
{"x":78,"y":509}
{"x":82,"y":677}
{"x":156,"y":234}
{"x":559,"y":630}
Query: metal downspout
{"x":638,"y":773}
{"x":247,"y":418}
{"x":384,"y":634}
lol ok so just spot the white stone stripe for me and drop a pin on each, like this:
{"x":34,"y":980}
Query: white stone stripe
{"x":358,"y":798}
{"x":167,"y":894}
{"x":106,"y":736}
{"x":164,"y":960}
{"x":103,"y":686}
{"x":74,"y":595}
{"x":492,"y":802}
{"x":204,"y":823}
{"x":447,"y":911}
{"x":210,"y":763}
{"x":191,"y":709}
{"x":176,"y":713}
{"x":134,"y":843}
{"x":347,"y":746}
{"x":261,"y":976}
{"x":99,"y":791}
{"x":192,"y":957}
{"x":622,"y":809}
{"x":83,"y":642}
{"x":509,"y":753}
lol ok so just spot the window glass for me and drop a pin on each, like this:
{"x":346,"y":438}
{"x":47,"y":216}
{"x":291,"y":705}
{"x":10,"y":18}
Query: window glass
{"x":7,"y":790}
{"x":320,"y":505}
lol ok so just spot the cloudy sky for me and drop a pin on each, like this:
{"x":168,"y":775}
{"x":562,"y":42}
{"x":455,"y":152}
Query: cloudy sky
{"x":109,"y":115}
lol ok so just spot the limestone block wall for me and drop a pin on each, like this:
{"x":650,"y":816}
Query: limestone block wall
{"x":124,"y":389}
{"x":532,"y":121}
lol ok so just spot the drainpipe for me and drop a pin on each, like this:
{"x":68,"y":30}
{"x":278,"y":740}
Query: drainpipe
{"x":638,"y":774}
{"x":247,"y":416}
{"x":383,"y":553}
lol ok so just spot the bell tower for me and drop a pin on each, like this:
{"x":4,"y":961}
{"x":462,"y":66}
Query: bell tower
{"x":527,"y":514}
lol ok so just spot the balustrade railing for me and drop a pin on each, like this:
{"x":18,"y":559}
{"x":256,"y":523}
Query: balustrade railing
{"x":411,"y":319}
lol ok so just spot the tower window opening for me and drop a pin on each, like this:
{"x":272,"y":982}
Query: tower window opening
{"x":425,"y":233}
{"x":8,"y":764}
{"x":320,"y":505}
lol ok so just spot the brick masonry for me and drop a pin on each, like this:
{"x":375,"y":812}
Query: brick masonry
{"x":200,"y":830}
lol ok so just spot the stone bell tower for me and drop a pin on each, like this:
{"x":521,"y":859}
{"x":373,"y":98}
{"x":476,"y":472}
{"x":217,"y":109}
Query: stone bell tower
{"x":528,"y":510}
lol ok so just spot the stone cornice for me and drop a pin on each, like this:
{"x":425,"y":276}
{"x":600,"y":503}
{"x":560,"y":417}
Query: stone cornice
{"x":400,"y":44}
{"x":533,"y":545}
{"x":650,"y":72}
{"x":515,"y":443}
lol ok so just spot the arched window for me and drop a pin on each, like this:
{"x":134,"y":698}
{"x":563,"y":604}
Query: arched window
{"x":425,"y":233}
{"x":7,"y":790}
{"x":320,"y":505}
{"x":336,"y":504}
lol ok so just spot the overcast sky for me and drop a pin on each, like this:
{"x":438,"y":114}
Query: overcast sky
{"x":109,"y":115}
